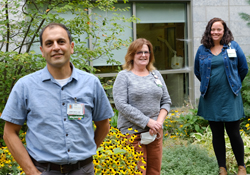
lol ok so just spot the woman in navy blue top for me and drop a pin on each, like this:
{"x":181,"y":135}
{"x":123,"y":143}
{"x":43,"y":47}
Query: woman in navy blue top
{"x":221,"y":66}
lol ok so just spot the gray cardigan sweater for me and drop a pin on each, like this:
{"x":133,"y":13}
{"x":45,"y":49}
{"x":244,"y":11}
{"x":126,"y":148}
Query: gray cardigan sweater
{"x":138,"y":99}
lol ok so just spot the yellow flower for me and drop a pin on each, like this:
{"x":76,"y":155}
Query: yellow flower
{"x":247,"y":125}
{"x":143,"y":167}
{"x":136,"y":130}
{"x":96,"y":162}
{"x":8,"y":161}
{"x":138,"y":172}
{"x":131,"y":140}
{"x":108,"y":141}
{"x":130,"y":129}
{"x":133,"y":136}
{"x":106,"y":162}
{"x":123,"y":172}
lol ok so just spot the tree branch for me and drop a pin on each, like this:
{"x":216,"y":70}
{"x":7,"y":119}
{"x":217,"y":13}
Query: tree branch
{"x":7,"y":25}
{"x":23,"y":7}
{"x":15,"y":34}
{"x":35,"y":6}
{"x":25,"y":44}
{"x":26,"y":34}
{"x":39,"y":27}
{"x":2,"y":44}
{"x":32,"y":40}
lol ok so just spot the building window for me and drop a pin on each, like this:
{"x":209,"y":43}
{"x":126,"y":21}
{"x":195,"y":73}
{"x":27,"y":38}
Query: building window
{"x":101,"y":63}
{"x":164,"y":25}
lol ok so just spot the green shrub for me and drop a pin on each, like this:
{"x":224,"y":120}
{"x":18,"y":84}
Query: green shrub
{"x":113,"y":120}
{"x":245,"y":125}
{"x":188,"y":160}
{"x":183,"y":124}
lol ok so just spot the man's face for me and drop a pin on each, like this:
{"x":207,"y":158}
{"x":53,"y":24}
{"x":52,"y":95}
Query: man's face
{"x":56,"y":47}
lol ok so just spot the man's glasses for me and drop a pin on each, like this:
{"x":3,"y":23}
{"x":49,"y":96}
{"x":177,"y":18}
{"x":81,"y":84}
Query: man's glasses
{"x":146,"y":53}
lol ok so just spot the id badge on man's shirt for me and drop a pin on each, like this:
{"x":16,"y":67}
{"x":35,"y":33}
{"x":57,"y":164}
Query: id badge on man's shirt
{"x":231,"y":53}
{"x":75,"y":111}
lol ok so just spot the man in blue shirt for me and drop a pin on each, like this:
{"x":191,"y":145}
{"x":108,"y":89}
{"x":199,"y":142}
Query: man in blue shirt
{"x":59,"y":104}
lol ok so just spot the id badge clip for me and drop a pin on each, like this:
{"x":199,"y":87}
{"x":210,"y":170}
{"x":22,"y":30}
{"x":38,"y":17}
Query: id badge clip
{"x":75,"y":111}
{"x":231,"y":52}
{"x":158,"y":83}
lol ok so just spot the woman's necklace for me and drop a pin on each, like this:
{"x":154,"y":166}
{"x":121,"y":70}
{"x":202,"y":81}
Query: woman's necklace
{"x":216,"y":53}
{"x":216,"y":50}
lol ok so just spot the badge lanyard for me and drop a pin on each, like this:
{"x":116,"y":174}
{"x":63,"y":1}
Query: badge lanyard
{"x":157,"y":81}
{"x":75,"y":110}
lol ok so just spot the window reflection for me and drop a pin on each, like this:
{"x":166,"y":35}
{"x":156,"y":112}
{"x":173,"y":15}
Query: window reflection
{"x":168,"y":50}
{"x":177,"y":85}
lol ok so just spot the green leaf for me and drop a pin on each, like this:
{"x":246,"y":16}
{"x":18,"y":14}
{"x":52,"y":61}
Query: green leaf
{"x":119,"y":151}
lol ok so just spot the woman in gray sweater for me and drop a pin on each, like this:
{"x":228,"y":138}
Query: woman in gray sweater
{"x":143,"y":102}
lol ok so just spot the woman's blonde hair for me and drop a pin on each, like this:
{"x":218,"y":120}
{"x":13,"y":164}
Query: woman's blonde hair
{"x":133,"y":48}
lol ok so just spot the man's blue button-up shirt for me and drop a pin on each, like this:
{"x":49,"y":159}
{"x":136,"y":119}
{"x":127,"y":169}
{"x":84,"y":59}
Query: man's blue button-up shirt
{"x":38,"y":99}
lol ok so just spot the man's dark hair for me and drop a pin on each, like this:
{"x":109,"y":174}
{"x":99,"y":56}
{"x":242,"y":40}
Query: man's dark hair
{"x":52,"y":25}
{"x":207,"y":40}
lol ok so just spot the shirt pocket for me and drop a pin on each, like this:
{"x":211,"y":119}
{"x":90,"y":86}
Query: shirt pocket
{"x":233,"y":61}
{"x":203,"y":60}
{"x":87,"y":101}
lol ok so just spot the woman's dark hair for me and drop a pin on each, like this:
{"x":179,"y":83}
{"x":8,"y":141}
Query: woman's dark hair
{"x":207,"y":40}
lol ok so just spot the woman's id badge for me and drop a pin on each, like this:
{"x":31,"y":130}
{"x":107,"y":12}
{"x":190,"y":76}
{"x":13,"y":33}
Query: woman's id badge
{"x":231,"y":53}
{"x":158,"y":82}
{"x":75,"y":111}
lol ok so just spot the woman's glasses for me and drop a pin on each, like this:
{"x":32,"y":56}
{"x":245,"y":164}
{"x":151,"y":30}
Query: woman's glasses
{"x":146,"y":53}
